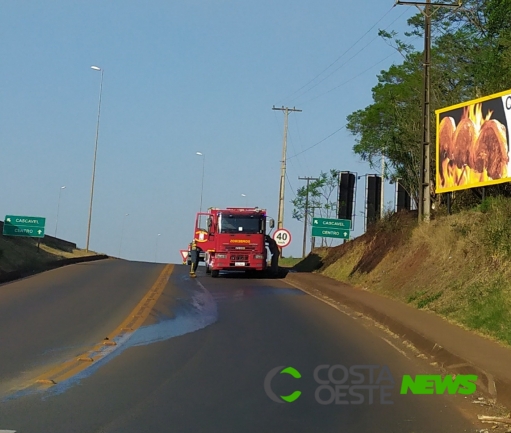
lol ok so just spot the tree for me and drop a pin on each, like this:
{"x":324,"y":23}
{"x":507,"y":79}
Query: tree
{"x":391,"y":126}
{"x":322,"y":195}
{"x":471,"y":57}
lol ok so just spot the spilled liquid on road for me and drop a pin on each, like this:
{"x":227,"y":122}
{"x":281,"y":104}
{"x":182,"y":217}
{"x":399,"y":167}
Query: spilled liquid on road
{"x":192,"y":314}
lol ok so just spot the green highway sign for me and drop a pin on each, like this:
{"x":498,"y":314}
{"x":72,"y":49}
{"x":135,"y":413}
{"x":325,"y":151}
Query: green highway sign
{"x":16,"y":225}
{"x":323,"y":232}
{"x":332,"y":223}
{"x":25,"y":221}
{"x":34,"y":232}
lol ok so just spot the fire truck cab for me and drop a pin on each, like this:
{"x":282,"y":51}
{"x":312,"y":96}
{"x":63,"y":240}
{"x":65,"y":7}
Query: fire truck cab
{"x":233,"y":239}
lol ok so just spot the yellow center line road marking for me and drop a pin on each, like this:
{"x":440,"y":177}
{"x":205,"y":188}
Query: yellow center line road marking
{"x":120,"y":334}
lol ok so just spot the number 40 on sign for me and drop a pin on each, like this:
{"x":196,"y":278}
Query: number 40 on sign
{"x":282,"y":237}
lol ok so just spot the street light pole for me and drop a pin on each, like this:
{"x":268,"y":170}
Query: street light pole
{"x":122,"y":232}
{"x":96,"y":68}
{"x":58,"y":208}
{"x":244,"y":195}
{"x":202,"y":183}
{"x":156,"y":249}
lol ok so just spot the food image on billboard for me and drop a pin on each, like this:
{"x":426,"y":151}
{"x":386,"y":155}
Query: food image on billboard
{"x":472,"y":143}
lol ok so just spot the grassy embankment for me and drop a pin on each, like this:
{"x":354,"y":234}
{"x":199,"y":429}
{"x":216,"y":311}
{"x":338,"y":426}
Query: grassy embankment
{"x":18,"y":253}
{"x":458,"y":266}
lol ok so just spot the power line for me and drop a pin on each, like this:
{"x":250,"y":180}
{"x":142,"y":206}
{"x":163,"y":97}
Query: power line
{"x":294,"y":144}
{"x":344,"y":126}
{"x":341,"y":56}
{"x":350,"y":79}
{"x":347,"y":61}
{"x":319,"y":142}
{"x":290,"y":186}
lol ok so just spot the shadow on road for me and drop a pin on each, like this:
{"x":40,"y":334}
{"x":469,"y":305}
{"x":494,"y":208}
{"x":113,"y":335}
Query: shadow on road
{"x":240,"y":275}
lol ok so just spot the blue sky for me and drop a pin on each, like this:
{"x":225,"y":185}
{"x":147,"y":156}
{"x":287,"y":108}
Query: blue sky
{"x":179,"y":77}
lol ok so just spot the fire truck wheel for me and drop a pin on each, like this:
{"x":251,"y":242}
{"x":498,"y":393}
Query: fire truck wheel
{"x":215,"y":273}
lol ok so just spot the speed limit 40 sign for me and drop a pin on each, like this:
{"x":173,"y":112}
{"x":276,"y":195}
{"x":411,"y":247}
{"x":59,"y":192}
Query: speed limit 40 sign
{"x":282,"y":237}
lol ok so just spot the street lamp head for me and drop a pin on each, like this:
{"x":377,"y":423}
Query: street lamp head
{"x":96,"y":68}
{"x":243,"y":195}
{"x":198,"y":153}
{"x":62,"y":187}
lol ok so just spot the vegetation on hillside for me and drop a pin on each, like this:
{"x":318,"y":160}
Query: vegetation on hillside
{"x":457,"y":266}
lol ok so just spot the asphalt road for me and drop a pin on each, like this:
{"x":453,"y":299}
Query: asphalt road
{"x":57,"y":314}
{"x":200,"y":363}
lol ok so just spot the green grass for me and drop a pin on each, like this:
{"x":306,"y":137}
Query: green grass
{"x":496,"y":230}
{"x":288,"y":262}
{"x":461,"y":265}
{"x":423,"y":302}
{"x":422,"y":298}
{"x":489,"y":308}
{"x":414,"y":296}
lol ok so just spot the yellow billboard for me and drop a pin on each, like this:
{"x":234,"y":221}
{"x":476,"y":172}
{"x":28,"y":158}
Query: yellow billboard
{"x":472,"y":143}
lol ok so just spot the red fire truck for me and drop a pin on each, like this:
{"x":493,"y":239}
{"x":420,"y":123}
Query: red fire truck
{"x":232,"y":239}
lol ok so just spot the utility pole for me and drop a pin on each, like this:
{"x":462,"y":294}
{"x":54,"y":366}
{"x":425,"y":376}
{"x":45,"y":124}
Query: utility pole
{"x":306,"y":213}
{"x":280,"y":218}
{"x":313,"y":239}
{"x":382,"y":188}
{"x":425,"y":176}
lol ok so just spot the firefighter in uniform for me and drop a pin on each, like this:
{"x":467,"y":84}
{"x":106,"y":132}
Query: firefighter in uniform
{"x":275,"y":253}
{"x":194,"y":255}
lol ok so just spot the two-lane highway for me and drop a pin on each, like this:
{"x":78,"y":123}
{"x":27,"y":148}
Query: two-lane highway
{"x":200,"y":362}
{"x":63,"y":312}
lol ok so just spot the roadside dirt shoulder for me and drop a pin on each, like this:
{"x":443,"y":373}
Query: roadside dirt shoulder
{"x":455,"y":349}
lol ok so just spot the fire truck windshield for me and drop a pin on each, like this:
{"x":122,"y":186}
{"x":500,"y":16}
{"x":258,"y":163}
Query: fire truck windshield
{"x":240,"y":224}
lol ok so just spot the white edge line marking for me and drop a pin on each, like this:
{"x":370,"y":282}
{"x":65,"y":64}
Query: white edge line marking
{"x":326,"y":301}
{"x":320,"y":299}
{"x":402,"y":352}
